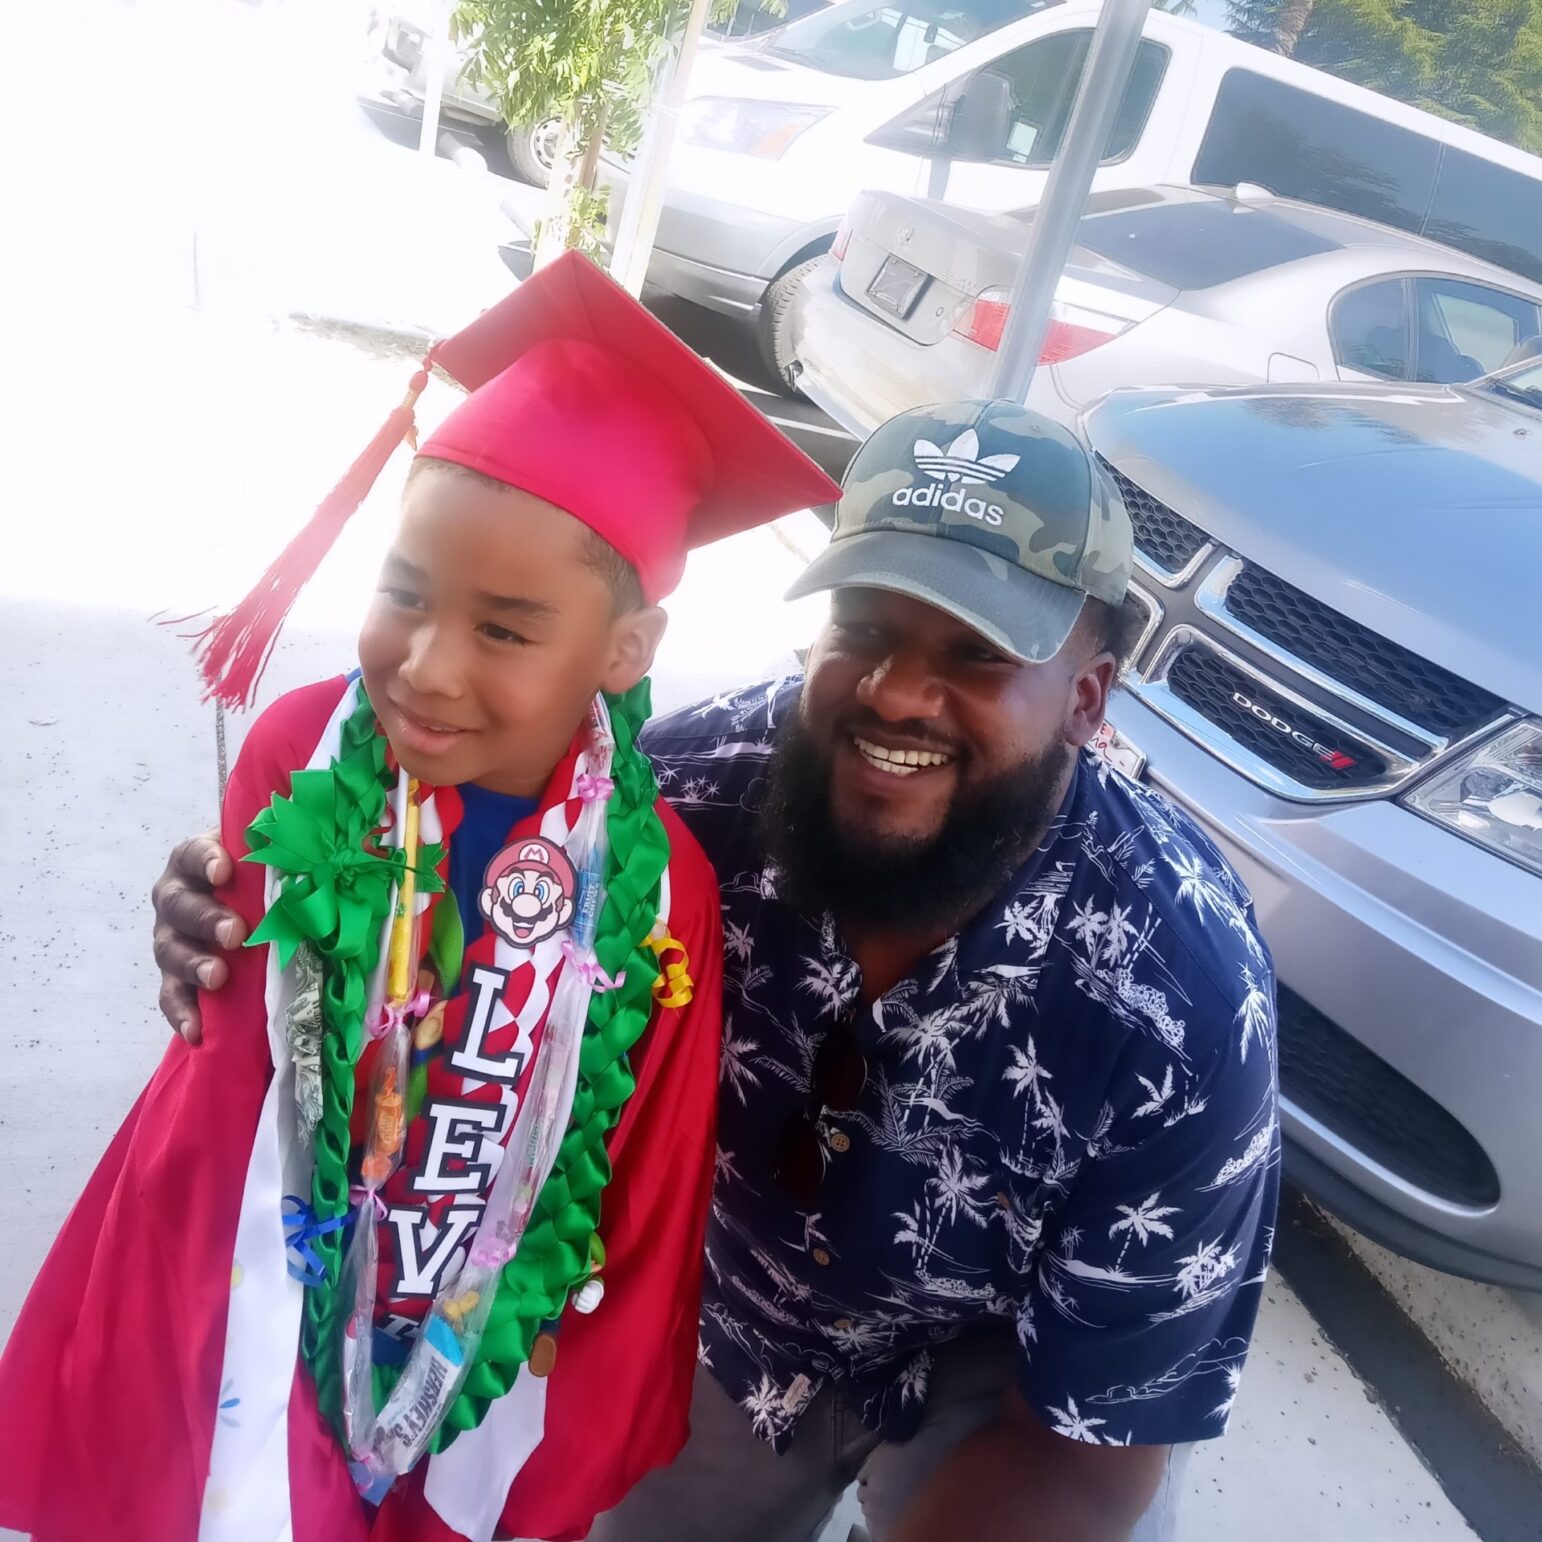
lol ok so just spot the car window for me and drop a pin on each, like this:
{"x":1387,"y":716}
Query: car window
{"x":750,"y":17}
{"x":1045,"y":75}
{"x":1466,"y":330}
{"x":1197,"y":244}
{"x":1301,"y":145}
{"x":1488,"y":210}
{"x":862,"y":41}
{"x":1370,"y":329}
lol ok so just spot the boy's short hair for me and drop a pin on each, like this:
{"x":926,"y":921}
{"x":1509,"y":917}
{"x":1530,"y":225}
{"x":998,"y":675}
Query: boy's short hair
{"x":619,"y":574}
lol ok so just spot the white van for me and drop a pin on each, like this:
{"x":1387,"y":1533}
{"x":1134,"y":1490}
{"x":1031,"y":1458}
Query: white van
{"x":969,"y":100}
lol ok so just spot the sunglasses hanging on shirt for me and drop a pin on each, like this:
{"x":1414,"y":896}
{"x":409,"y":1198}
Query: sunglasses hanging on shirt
{"x":839,"y":1076}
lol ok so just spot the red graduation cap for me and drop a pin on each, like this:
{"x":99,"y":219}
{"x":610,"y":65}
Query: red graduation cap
{"x":580,"y":397}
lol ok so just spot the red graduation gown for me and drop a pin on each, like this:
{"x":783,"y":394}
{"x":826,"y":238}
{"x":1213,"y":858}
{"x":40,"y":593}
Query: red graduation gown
{"x":110,"y":1384}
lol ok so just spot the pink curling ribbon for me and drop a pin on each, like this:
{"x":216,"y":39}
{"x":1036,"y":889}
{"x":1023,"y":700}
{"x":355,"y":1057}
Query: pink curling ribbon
{"x":592,"y":788}
{"x":359,"y":1195}
{"x":390,"y":1014}
{"x":589,"y":968}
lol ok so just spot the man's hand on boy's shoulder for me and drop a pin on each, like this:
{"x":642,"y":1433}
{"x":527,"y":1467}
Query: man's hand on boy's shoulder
{"x":189,"y":924}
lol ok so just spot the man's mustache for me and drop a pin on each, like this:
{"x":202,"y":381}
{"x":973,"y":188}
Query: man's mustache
{"x":924,"y":735}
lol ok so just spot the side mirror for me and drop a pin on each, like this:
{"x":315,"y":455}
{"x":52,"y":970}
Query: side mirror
{"x":981,"y":120}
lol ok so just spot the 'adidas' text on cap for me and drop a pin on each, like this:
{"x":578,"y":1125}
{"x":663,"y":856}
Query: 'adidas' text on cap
{"x":1021,"y":524}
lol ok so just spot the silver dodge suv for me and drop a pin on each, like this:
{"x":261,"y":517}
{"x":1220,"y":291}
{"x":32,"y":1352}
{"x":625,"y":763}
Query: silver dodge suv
{"x":1341,"y":679}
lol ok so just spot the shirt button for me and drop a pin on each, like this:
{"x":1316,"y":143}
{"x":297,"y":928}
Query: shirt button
{"x":840,"y":1142}
{"x":821,"y":1258}
{"x":842,"y":1325}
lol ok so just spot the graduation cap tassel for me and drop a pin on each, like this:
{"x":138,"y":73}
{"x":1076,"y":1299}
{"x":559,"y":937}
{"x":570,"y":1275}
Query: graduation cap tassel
{"x":233,"y":650}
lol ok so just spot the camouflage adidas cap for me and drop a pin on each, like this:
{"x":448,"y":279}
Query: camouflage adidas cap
{"x":1020,"y":523}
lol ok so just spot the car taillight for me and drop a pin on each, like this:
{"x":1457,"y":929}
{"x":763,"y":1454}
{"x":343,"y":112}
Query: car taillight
{"x":1072,"y":330}
{"x":1065,"y":339}
{"x":842,"y":241}
{"x":985,"y":320}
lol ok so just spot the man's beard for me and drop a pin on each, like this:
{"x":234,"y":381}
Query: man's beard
{"x":913,"y":884}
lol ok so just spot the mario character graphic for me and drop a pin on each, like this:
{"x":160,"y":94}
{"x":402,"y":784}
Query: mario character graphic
{"x":529,"y":892}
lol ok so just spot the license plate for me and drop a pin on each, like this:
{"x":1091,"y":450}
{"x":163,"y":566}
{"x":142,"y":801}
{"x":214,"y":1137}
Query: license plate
{"x":1118,"y":751}
{"x":896,"y":286}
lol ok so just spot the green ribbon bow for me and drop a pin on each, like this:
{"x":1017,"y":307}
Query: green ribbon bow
{"x":337,"y":887}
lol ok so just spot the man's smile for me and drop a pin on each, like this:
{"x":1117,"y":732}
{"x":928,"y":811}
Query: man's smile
{"x":897,"y":759}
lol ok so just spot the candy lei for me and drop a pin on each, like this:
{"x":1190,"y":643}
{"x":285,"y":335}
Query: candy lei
{"x":335,"y":897}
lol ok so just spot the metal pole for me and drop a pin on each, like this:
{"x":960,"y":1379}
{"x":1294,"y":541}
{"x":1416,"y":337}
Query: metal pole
{"x":1053,"y":233}
{"x":436,"y":54}
{"x":645,"y":191}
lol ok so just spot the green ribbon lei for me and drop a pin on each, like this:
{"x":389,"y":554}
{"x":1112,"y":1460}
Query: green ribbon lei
{"x":335,"y":895}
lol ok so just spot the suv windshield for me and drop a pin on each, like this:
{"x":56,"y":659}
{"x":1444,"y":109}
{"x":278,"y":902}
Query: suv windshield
{"x":863,"y":41}
{"x":1194,"y":245}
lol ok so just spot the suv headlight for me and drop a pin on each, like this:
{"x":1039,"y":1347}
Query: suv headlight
{"x":1493,"y":795}
{"x":764,"y":129}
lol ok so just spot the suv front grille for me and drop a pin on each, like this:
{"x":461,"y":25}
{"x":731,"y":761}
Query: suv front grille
{"x":1415,"y":689}
{"x":1296,"y":696}
{"x":1162,"y":535}
{"x":1272,"y":728}
{"x":1337,"y":1081}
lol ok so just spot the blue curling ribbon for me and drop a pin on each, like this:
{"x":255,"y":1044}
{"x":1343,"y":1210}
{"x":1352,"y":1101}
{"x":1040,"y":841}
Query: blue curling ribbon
{"x":301,"y":1228}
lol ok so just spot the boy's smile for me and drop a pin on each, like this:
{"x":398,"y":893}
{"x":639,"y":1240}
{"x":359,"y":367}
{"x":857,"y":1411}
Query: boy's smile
{"x":491,"y":632}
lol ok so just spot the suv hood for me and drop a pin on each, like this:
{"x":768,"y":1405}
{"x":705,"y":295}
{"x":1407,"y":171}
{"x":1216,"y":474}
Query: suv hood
{"x":734,"y":70}
{"x":1415,"y":510}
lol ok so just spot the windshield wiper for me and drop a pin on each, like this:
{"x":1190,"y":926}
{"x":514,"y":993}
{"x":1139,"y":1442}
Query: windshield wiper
{"x":1528,"y":396}
{"x":797,"y":55}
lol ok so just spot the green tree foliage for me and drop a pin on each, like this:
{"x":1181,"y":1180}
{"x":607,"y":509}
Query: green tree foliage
{"x":590,"y":63}
{"x":1478,"y":62}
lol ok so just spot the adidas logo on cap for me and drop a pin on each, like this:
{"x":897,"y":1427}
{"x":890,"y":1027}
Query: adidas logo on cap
{"x":951,"y":470}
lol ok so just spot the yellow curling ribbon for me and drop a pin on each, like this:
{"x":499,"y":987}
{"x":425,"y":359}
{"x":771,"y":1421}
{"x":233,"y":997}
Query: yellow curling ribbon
{"x":402,"y":968}
{"x":674,"y":987}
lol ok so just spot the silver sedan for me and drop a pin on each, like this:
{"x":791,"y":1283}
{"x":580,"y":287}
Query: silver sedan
{"x":1167,"y":286}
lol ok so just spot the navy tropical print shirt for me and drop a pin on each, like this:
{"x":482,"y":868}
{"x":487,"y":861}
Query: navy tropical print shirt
{"x":1069,"y":1121}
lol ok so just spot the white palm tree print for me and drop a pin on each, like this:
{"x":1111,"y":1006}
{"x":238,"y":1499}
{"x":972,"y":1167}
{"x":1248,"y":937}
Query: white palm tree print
{"x":1051,"y":1120}
{"x":1118,"y":933}
{"x":1222,"y":1410}
{"x":955,"y":1190}
{"x":1146,"y":1220}
{"x":766,"y":1407}
{"x":1026,"y":1077}
{"x":1157,"y":1097}
{"x":1087,"y":925}
{"x":824,"y":982}
{"x":1256,"y":1014}
{"x":1202,"y":1268}
{"x":997,"y":989}
{"x":915,"y":1378}
{"x":734,"y":1067}
{"x":1075,"y":1425}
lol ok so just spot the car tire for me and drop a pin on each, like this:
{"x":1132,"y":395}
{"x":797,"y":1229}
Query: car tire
{"x":773,"y":325}
{"x":533,"y":150}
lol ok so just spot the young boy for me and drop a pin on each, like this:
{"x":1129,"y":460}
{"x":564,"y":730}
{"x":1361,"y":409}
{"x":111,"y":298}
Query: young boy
{"x":409,"y":1247}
